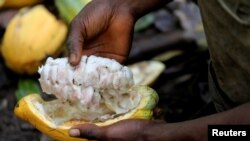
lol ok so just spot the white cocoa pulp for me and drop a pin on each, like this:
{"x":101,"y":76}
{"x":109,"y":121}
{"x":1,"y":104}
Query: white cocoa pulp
{"x":97,"y":87}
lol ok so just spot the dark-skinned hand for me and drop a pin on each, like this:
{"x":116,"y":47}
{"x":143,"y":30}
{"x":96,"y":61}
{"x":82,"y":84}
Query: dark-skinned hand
{"x":126,"y":130}
{"x":103,"y":28}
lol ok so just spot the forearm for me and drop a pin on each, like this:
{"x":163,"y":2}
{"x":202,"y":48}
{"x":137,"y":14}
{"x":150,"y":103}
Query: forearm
{"x":197,"y":129}
{"x":236,"y":116}
{"x":142,"y":7}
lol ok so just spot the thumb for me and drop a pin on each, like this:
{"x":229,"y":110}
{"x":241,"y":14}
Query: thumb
{"x":88,"y":131}
{"x":75,"y":43}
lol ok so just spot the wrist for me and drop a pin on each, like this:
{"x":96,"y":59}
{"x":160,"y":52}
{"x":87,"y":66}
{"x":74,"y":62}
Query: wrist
{"x":153,"y":130}
{"x":139,"y":8}
{"x":190,"y":131}
{"x":160,"y":131}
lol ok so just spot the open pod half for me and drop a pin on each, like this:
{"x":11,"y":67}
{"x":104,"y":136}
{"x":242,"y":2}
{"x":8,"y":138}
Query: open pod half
{"x":146,"y":72}
{"x":32,"y":35}
{"x":18,"y":3}
{"x":55,"y":118}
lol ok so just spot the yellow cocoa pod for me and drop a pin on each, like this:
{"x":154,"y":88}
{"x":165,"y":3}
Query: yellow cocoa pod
{"x":17,"y":3}
{"x":146,"y":72}
{"x":1,"y":2}
{"x":52,"y":117}
{"x":32,"y":35}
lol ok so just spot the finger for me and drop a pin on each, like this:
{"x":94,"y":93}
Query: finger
{"x":88,"y":131}
{"x":75,"y":42}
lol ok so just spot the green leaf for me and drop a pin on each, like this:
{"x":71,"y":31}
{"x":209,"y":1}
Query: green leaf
{"x":26,"y":87}
{"x":144,"y":22}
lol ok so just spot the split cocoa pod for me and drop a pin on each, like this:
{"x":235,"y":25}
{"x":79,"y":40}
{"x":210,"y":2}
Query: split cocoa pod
{"x":30,"y":37}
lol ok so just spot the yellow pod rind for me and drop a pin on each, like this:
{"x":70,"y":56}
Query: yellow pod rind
{"x":147,"y":72}
{"x":26,"y":110}
{"x":17,"y":3}
{"x":31,"y":36}
{"x":1,"y":3}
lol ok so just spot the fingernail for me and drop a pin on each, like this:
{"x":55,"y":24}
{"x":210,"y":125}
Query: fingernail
{"x":74,"y":132}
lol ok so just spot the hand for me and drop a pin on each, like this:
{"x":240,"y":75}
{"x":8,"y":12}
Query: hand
{"x":103,"y":28}
{"x":126,"y":130}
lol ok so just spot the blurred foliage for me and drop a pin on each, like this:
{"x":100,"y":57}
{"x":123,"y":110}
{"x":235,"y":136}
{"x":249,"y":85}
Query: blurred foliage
{"x":144,"y":22}
{"x":26,"y":87}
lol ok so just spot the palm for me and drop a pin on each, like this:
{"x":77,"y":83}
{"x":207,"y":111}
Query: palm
{"x":114,"y":42}
{"x":102,"y":32}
